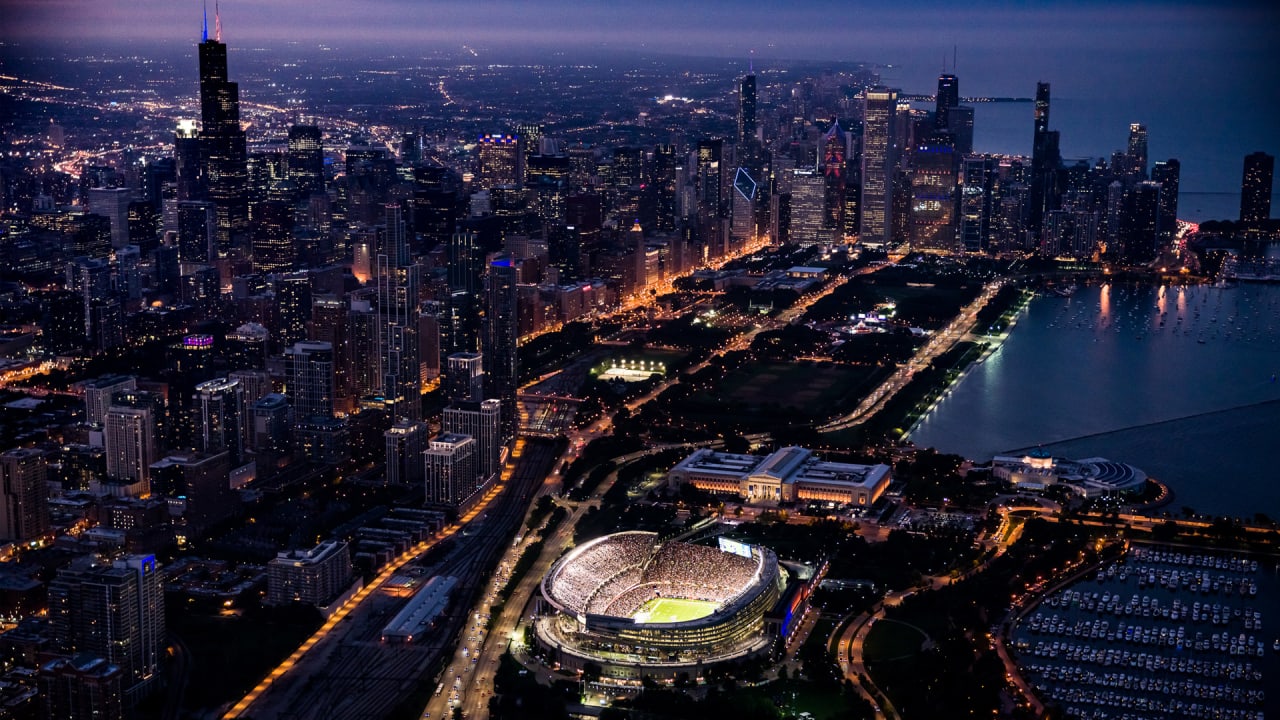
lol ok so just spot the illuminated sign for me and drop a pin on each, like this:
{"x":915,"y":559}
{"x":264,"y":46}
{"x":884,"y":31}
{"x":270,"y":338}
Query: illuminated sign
{"x":734,"y":547}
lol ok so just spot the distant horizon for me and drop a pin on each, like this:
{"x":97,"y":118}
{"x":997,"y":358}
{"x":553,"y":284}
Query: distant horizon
{"x":1200,"y":75}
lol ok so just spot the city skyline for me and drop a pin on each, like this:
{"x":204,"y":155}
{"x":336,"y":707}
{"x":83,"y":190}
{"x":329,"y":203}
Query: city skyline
{"x":498,"y":361}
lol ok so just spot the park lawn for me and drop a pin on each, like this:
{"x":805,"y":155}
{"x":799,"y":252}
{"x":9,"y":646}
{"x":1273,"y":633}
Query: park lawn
{"x":892,"y":640}
{"x":816,"y":389}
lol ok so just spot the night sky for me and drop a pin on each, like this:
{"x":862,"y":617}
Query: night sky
{"x":1196,"y":68}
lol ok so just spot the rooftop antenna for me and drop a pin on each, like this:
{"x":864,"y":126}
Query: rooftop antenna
{"x":204,"y":35}
{"x":751,"y":62}
{"x":954,"y":51}
{"x":217,"y":22}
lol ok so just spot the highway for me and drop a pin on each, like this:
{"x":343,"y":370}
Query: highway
{"x":344,"y":670}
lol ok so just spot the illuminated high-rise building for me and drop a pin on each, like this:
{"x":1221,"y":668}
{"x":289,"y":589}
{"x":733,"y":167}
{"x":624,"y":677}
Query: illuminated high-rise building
{"x":223,"y":141}
{"x":460,"y":326}
{"x":24,"y":502}
{"x":710,"y":177}
{"x":482,"y":421}
{"x":879,"y":158}
{"x":948,"y":97}
{"x":398,"y":351}
{"x":113,"y":204}
{"x":464,"y":378}
{"x":189,"y":162}
{"x":833,"y":171}
{"x":1255,"y":188}
{"x":1137,"y":150}
{"x":933,"y":187}
{"x":406,"y":441}
{"x":977,"y":178}
{"x":306,"y":159}
{"x":1168,"y":175}
{"x":197,"y":231}
{"x":132,"y":435}
{"x":747,"y":111}
{"x":273,"y":248}
{"x":310,"y":380}
{"x":1045,"y":159}
{"x":500,"y":161}
{"x":113,"y":611}
{"x":292,"y":295}
{"x":450,"y":469}
{"x":221,"y":404}
{"x":501,"y":319}
{"x":807,"y":207}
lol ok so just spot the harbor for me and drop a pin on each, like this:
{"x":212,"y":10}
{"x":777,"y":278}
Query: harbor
{"x":1161,"y":633}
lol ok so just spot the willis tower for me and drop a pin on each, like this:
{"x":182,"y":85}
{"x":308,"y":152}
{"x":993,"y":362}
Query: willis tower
{"x":223,"y":142}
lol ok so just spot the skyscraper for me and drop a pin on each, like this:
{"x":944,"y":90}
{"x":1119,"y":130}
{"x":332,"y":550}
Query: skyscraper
{"x":131,"y":434}
{"x":188,"y":162}
{"x":318,"y":435}
{"x":500,"y":331}
{"x":398,"y":351}
{"x":833,"y":171}
{"x":197,"y":231}
{"x":879,"y":118}
{"x":1167,"y":174}
{"x":500,"y":161}
{"x":1138,"y":150}
{"x":273,"y":249}
{"x":24,"y":504}
{"x":306,"y":159}
{"x":405,"y":443}
{"x":807,"y":203}
{"x":948,"y":97}
{"x":747,"y":111}
{"x":977,"y":175}
{"x":114,"y":611}
{"x":933,"y":187}
{"x":483,"y":422}
{"x":221,"y":403}
{"x":710,"y":177}
{"x":1045,"y":160}
{"x":311,"y":380}
{"x":464,"y":378}
{"x":1255,"y":188}
{"x":450,"y":469}
{"x":460,"y":329}
{"x":223,"y":140}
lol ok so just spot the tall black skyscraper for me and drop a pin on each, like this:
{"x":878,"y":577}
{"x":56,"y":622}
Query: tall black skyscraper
{"x":1045,"y":160}
{"x":747,"y":111}
{"x":1168,"y":174}
{"x":948,"y":97}
{"x":460,"y":329}
{"x":1138,"y":150}
{"x":223,"y":142}
{"x":500,"y":333}
{"x":1255,"y":187}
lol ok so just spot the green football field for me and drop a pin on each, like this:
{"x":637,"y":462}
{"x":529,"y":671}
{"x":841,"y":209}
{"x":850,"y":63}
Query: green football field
{"x":670,"y":610}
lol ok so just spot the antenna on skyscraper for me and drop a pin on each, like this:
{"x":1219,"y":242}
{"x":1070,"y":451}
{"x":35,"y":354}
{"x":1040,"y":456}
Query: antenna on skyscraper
{"x":204,"y":35}
{"x":217,"y":22}
{"x":954,"y":51}
{"x":751,"y":62}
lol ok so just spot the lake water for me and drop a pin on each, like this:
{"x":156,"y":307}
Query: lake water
{"x":1179,"y":381}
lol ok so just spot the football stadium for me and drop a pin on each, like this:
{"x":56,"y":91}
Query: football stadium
{"x":638,"y":606}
